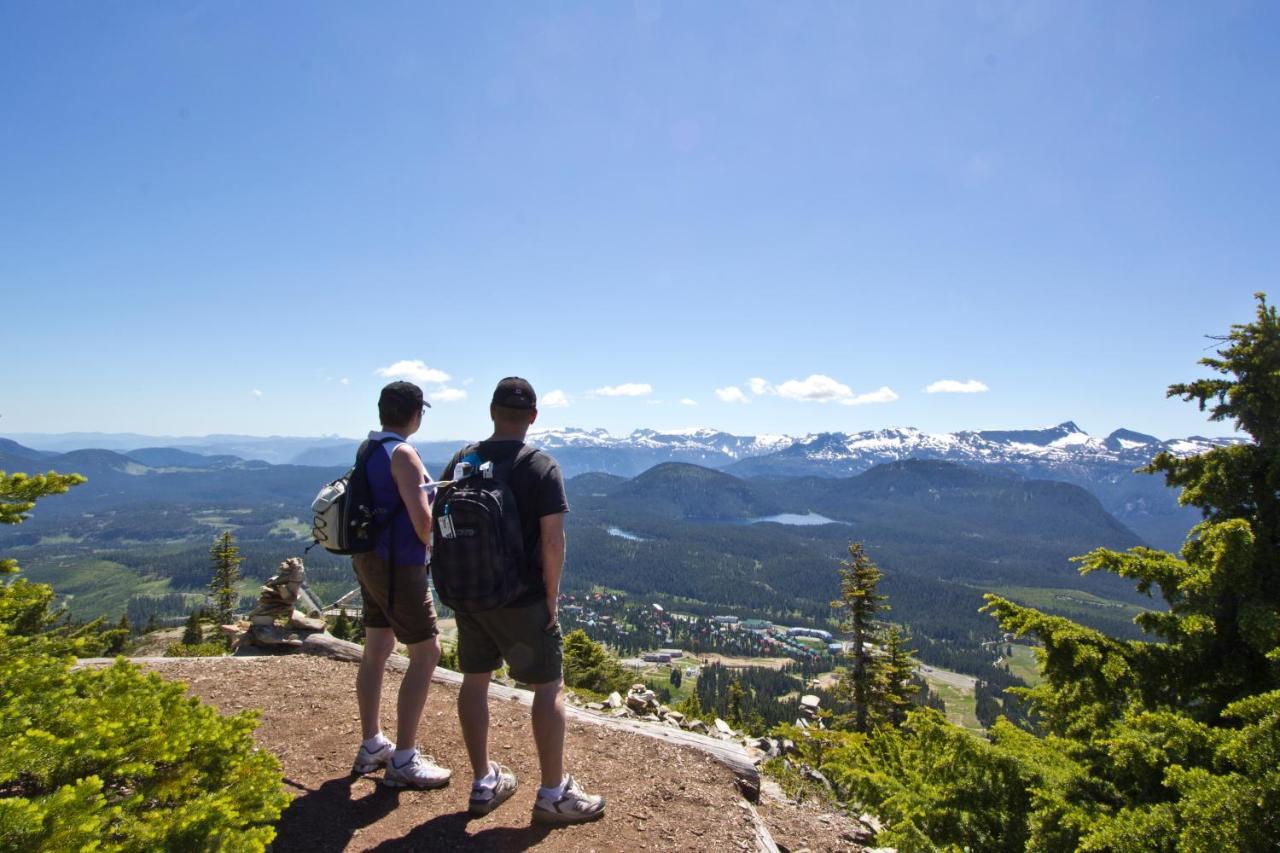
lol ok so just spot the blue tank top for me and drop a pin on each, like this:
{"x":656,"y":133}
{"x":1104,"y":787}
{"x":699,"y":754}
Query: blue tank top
{"x":410,"y":550}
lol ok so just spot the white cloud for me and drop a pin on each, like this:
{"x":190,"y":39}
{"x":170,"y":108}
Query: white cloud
{"x":415,"y":371}
{"x":688,"y":401}
{"x":557,"y":399}
{"x":883,"y":394}
{"x":732,"y":394}
{"x":627,"y":389}
{"x":448,"y":395}
{"x":345,"y":381}
{"x":953,"y":386}
{"x":255,"y":392}
{"x":817,"y":388}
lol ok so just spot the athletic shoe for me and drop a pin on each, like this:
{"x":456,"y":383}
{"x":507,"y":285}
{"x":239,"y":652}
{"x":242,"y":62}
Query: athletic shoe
{"x":368,"y":762}
{"x":421,"y":772}
{"x":484,"y":799}
{"x":574,"y":805}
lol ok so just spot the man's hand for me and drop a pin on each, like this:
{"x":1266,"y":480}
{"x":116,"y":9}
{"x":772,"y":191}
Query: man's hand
{"x":553,"y":607}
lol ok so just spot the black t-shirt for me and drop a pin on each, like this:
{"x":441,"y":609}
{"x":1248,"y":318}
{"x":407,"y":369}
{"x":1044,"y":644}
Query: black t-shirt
{"x":539,"y":490}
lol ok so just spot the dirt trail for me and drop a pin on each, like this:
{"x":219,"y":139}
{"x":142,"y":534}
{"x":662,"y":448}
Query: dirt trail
{"x":661,"y":797}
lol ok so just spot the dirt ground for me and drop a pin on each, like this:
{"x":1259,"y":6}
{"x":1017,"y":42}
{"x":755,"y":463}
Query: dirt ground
{"x":660,"y":797}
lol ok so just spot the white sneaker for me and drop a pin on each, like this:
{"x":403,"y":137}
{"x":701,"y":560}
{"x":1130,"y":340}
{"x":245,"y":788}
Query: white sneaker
{"x":483,"y":799}
{"x":574,"y":805}
{"x":368,"y":762}
{"x":421,"y":772}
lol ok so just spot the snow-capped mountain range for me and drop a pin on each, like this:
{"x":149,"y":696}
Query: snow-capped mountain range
{"x":1104,"y":466}
{"x":844,"y":454}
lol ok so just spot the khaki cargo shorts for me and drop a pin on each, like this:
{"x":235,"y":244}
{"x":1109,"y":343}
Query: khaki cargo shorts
{"x":411,"y":616}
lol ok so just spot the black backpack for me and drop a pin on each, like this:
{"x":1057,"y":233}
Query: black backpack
{"x":344,"y":519}
{"x":477,"y":543}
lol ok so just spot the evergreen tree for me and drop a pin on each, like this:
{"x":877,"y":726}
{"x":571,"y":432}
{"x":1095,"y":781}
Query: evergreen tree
{"x":897,"y":683}
{"x":588,"y":666}
{"x":1169,"y":731}
{"x":341,"y":627}
{"x":226,"y":572}
{"x":123,"y":624}
{"x":733,"y":711}
{"x":859,"y":603}
{"x":113,"y":758}
{"x":675,"y":678}
{"x":192,"y":634}
{"x":151,"y":625}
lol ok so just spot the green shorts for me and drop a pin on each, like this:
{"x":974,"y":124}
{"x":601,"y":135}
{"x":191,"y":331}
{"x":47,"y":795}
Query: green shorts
{"x":517,"y":635}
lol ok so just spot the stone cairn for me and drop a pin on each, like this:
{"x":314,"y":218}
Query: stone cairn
{"x":286,"y":614}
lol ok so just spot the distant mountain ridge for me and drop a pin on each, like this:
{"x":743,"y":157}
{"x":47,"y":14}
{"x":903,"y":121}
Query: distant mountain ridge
{"x":1104,"y":466}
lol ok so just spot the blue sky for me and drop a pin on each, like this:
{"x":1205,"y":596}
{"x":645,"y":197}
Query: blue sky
{"x":229,"y":217}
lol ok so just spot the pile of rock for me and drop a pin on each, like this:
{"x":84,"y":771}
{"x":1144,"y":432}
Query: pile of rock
{"x":641,"y":703}
{"x":286,"y":614}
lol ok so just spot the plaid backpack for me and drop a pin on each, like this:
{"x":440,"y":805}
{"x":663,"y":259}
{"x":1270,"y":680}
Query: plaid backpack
{"x":477,"y":544}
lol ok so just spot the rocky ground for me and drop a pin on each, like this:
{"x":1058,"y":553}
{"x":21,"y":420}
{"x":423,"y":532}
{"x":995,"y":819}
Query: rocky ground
{"x":660,"y":797}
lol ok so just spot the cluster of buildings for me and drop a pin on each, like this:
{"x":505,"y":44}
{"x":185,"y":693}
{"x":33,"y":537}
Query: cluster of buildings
{"x":780,"y":636}
{"x":636,"y":629}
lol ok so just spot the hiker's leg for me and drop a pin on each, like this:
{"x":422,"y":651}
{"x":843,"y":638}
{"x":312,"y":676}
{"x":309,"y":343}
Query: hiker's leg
{"x":548,"y":730}
{"x":423,"y":658}
{"x":473,"y":718}
{"x":378,"y":645}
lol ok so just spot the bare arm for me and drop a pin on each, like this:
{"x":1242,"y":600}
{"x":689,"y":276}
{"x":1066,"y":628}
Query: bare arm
{"x":407,"y":471}
{"x":553,"y":546}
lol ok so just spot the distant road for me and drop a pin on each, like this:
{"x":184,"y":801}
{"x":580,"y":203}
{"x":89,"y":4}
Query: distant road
{"x":946,"y":676}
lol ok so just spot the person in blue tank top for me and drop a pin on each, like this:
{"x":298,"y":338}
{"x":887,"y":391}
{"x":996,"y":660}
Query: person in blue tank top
{"x":397,"y":595}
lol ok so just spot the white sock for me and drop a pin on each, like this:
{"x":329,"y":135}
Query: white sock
{"x":377,"y":742}
{"x":554,"y":793}
{"x":490,"y":779}
{"x":401,"y":757}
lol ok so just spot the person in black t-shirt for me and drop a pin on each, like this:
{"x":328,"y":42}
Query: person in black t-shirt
{"x":526,"y":634}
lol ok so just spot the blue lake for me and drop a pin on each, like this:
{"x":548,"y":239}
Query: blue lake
{"x":795,"y":519}
{"x":624,"y":534}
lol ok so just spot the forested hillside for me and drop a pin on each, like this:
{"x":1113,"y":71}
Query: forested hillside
{"x":944,"y":534}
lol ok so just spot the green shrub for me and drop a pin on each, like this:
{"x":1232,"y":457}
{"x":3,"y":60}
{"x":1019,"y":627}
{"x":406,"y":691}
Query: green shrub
{"x":116,"y":759}
{"x":113,"y":759}
{"x":198,"y":650}
{"x":587,"y":666}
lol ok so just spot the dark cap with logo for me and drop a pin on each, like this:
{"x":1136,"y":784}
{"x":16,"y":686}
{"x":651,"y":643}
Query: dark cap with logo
{"x":404,"y":392}
{"x":515,"y":393}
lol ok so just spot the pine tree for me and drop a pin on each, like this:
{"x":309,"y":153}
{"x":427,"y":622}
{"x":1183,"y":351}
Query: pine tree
{"x":341,"y":627}
{"x":192,"y":634}
{"x":1176,"y":736}
{"x":860,"y":603}
{"x":226,"y":572}
{"x":897,"y":670}
{"x":152,"y":624}
{"x":734,"y":706}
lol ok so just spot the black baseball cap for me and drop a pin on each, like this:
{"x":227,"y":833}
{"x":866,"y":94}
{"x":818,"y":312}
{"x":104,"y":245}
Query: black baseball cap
{"x":405,"y":392}
{"x":515,"y":393}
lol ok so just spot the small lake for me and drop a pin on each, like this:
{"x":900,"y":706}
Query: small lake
{"x":795,"y":519}
{"x":625,"y":534}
